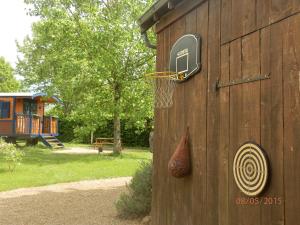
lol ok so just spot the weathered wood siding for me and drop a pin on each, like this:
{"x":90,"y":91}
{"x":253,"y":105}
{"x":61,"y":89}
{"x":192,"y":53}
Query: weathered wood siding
{"x":240,"y":39}
{"x":241,"y":17}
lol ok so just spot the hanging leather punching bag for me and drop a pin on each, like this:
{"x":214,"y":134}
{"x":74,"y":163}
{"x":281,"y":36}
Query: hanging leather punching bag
{"x":179,"y":164}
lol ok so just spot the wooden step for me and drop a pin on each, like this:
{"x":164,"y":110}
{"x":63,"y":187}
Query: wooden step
{"x":52,"y":142}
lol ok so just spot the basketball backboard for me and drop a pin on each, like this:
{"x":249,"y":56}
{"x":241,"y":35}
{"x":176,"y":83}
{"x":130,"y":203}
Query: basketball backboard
{"x":185,"y":56}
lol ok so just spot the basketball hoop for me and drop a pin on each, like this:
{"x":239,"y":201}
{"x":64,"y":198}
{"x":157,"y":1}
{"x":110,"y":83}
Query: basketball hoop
{"x":185,"y":61}
{"x":163,"y":86}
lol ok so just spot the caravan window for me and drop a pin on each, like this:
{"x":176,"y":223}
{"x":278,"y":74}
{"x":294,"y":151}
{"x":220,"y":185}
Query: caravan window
{"x":29,"y":107}
{"x":4,"y":110}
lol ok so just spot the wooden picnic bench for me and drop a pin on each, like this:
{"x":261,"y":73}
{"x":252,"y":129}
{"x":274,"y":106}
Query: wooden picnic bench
{"x":100,"y":142}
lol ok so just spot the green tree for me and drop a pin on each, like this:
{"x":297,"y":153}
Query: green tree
{"x":7,"y":80}
{"x":90,"y":53}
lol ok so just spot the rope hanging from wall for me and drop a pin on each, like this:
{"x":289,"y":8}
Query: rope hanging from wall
{"x":179,"y":164}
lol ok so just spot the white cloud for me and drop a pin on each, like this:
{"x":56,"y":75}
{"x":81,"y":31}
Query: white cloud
{"x":14,"y":25}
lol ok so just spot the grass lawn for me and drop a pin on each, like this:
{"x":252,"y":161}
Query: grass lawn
{"x":42,"y":166}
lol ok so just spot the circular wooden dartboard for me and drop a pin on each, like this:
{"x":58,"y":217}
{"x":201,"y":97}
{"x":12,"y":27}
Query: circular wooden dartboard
{"x":250,"y":169}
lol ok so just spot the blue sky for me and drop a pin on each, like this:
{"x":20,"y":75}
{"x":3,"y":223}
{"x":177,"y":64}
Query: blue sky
{"x":14,"y":25}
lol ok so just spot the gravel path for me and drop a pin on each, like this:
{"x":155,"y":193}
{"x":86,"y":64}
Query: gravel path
{"x":77,"y":203}
{"x":79,"y":150}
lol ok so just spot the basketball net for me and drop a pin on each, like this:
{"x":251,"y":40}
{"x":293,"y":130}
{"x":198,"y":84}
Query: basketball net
{"x":163,"y":86}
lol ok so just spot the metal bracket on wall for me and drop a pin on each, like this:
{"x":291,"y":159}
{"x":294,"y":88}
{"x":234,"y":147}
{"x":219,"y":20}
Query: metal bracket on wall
{"x":220,"y":84}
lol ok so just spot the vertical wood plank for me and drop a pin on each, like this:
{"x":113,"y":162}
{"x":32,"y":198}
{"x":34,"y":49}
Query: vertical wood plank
{"x":272,"y":120}
{"x":226,"y":21}
{"x":263,"y":13}
{"x":163,"y":142}
{"x":177,"y":128}
{"x":243,"y":17}
{"x":223,"y":172}
{"x":195,"y":116}
{"x":201,"y":134}
{"x":250,"y":124}
{"x":291,"y":93}
{"x":296,"y":6}
{"x":249,"y":16}
{"x":157,"y":152}
{"x":235,"y":124}
{"x":236,"y":18}
{"x":280,"y":9}
{"x":244,"y":117}
{"x":190,"y":107}
{"x":213,"y":112}
{"x":167,"y":200}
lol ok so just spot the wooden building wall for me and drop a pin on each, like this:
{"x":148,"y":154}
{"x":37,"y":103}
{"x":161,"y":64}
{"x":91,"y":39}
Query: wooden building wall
{"x":40,"y":112}
{"x":240,"y":39}
{"x":40,"y":106}
{"x":37,"y":123}
{"x":19,"y":105}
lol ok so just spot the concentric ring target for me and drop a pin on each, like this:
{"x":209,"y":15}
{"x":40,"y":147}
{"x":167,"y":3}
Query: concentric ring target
{"x":250,"y":169}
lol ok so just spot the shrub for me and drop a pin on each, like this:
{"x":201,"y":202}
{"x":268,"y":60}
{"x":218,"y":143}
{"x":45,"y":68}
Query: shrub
{"x":74,"y":131}
{"x":137,"y":201}
{"x":11,"y":155}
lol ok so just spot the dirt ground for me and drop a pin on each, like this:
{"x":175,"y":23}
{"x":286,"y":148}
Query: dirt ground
{"x":77,"y":203}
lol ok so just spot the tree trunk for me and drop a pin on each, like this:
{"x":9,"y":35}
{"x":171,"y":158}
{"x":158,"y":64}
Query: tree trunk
{"x":92,"y":137}
{"x":117,"y":121}
{"x":151,"y":137}
{"x":117,"y":134}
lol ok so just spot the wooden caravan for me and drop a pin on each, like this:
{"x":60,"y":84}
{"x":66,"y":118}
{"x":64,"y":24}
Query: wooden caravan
{"x":22,"y":115}
{"x":242,"y":108}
